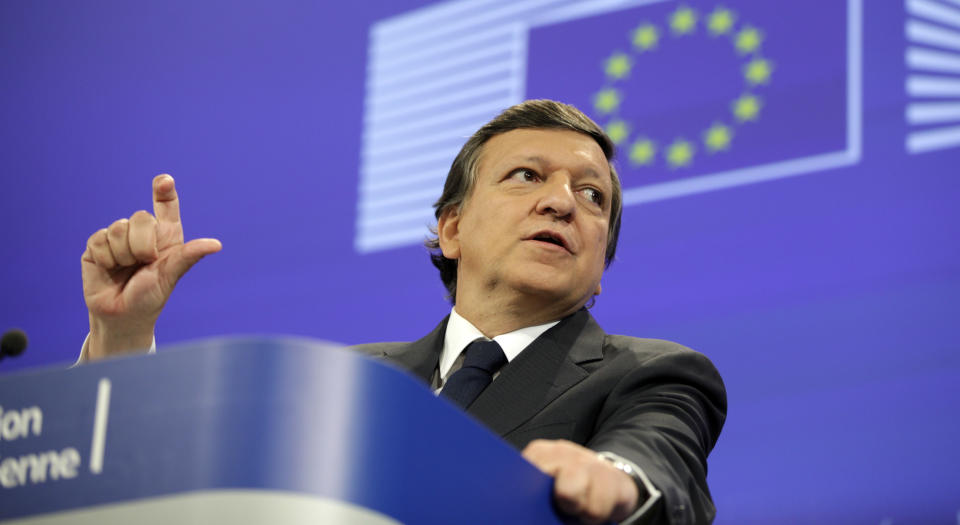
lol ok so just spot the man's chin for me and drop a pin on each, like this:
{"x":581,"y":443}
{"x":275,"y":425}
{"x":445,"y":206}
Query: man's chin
{"x":552,"y":290}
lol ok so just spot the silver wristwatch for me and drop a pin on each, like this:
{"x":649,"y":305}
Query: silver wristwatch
{"x":648,"y":494}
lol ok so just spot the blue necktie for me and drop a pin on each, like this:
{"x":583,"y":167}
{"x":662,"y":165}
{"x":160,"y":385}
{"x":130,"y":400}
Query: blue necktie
{"x":483,"y":359}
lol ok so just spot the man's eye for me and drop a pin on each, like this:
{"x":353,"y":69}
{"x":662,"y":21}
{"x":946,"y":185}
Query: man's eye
{"x":524,"y":175}
{"x":593,"y":195}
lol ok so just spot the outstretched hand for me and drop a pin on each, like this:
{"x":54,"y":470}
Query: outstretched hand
{"x":130,"y":269}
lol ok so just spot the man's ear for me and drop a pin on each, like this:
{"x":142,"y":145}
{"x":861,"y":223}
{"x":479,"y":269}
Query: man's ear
{"x":597,"y":292}
{"x":448,"y":232}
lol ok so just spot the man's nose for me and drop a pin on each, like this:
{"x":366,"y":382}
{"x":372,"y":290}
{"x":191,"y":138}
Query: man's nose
{"x":557,"y":197}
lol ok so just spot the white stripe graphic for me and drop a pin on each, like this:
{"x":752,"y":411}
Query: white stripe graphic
{"x":519,"y":66}
{"x":448,"y":134}
{"x":940,"y":138}
{"x":433,"y":176}
{"x":923,"y":33}
{"x":932,"y":112}
{"x":854,"y":80}
{"x":427,"y":195}
{"x":390,"y":98}
{"x":369,"y":242}
{"x":427,"y":105}
{"x":428,"y":70}
{"x":441,"y":34}
{"x":930,"y":86}
{"x":100,"y":426}
{"x":427,"y":16}
{"x":431,"y":158}
{"x":940,"y":61}
{"x":777,"y":170}
{"x":421,"y":189}
{"x":934,"y":11}
{"x":387,"y":135}
{"x":452,"y":48}
{"x":584,"y":9}
{"x":420,"y":216}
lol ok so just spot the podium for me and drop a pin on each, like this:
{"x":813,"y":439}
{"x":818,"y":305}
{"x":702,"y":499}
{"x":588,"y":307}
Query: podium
{"x":252,"y":431}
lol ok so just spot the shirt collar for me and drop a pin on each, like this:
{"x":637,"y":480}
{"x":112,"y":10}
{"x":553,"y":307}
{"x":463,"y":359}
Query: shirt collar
{"x":461,"y":333}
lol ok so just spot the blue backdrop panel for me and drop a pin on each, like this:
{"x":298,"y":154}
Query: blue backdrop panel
{"x":790,"y":172}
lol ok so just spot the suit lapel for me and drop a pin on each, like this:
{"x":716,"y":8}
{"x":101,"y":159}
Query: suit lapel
{"x":421,"y":357}
{"x":544,"y":370}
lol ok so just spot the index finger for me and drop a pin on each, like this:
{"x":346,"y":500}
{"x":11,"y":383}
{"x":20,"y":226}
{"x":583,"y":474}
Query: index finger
{"x":166,"y":205}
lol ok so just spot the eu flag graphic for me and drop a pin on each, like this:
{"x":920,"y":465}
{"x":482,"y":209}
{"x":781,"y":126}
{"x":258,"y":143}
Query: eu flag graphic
{"x":698,"y":95}
{"x":693,"y":90}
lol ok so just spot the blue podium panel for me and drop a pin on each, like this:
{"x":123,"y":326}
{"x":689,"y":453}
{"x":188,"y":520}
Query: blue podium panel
{"x":221,"y":507}
{"x":202,"y":425}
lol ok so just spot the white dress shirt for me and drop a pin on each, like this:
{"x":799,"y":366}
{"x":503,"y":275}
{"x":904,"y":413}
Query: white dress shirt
{"x":86,"y":344}
{"x":460,"y":333}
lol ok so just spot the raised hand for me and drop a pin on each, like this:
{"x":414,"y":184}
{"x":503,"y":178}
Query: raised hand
{"x":130,"y":269}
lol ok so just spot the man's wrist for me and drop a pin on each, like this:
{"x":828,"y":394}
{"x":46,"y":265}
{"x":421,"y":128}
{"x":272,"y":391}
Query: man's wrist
{"x":85,"y":349}
{"x":106,"y":341}
{"x":647,"y":493}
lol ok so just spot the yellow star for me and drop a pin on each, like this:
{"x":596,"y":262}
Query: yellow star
{"x":617,"y":130}
{"x":748,"y":40}
{"x":680,"y":153}
{"x":683,"y":20}
{"x":717,"y":137}
{"x":747,"y":107}
{"x":645,"y":37}
{"x":617,"y":66}
{"x":606,"y":101}
{"x":757,"y":71}
{"x":721,"y":21}
{"x":642,"y":152}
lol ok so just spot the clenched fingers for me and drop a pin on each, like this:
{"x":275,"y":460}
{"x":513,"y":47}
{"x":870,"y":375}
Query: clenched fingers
{"x":118,"y":238}
{"x":585,"y":485}
{"x":99,"y":250}
{"x":143,"y":237}
{"x":605,"y":497}
{"x":133,"y":241}
{"x":572,"y":490}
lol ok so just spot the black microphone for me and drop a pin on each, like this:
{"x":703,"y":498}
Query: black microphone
{"x":13,"y":343}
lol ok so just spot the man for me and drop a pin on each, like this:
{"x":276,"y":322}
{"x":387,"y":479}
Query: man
{"x":526,"y":225}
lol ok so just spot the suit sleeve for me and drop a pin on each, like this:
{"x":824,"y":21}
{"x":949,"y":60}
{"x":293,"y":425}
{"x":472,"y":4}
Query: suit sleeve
{"x":665,"y":414}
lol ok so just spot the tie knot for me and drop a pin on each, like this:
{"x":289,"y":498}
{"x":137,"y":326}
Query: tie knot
{"x":485,"y":355}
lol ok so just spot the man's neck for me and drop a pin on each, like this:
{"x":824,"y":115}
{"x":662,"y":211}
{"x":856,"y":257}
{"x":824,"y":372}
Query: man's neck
{"x":493,"y":315}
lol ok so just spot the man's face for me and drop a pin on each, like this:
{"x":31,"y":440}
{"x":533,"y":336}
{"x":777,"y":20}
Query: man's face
{"x":536,"y":221}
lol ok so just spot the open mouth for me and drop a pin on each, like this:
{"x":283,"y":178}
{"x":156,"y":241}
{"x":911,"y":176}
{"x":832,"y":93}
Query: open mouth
{"x":547,"y":238}
{"x":551,"y":238}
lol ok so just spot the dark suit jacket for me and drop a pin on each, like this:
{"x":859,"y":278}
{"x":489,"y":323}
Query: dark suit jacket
{"x":657,"y":403}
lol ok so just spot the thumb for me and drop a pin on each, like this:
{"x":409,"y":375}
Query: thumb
{"x":188,"y":254}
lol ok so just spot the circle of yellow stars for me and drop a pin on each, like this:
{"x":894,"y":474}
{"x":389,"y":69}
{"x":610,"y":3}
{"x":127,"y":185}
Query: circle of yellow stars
{"x":747,"y":41}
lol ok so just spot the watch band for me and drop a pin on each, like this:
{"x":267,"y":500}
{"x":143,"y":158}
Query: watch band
{"x":648,"y":494}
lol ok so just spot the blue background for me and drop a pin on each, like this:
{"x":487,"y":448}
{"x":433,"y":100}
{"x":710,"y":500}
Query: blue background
{"x":828,"y":301}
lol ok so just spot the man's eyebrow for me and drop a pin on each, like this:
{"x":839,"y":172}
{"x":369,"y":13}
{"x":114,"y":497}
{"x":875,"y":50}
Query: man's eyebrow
{"x":593,"y":173}
{"x":586,"y":169}
{"x":534,"y":158}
